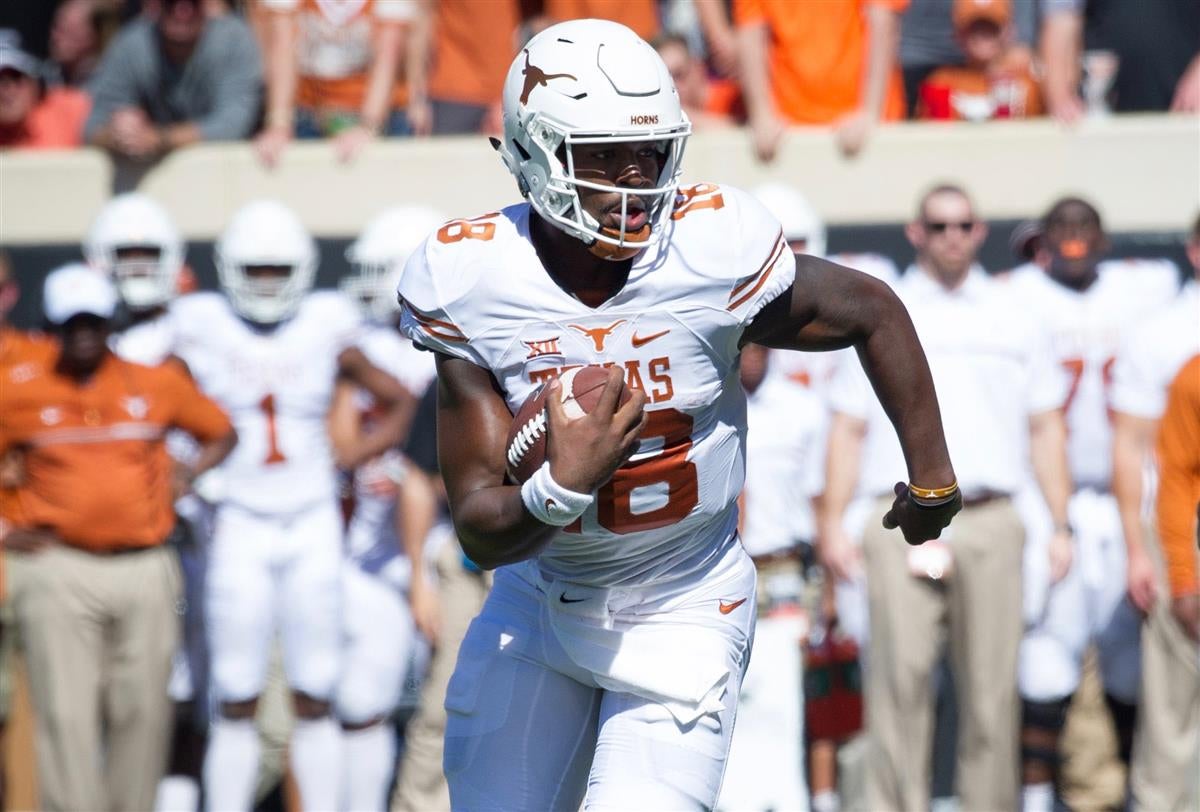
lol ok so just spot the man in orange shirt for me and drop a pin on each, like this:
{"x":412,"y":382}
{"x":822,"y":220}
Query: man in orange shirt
{"x":833,"y":62}
{"x":92,"y":586}
{"x":1179,"y":495}
{"x":1178,"y":518}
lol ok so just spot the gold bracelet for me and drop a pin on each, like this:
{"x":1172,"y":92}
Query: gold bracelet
{"x":933,"y":493}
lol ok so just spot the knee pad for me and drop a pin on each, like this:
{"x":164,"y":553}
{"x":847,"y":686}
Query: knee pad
{"x":1047,"y":718}
{"x":1124,"y":717}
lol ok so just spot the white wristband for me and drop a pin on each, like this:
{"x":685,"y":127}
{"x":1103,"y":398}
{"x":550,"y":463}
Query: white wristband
{"x":551,"y":503}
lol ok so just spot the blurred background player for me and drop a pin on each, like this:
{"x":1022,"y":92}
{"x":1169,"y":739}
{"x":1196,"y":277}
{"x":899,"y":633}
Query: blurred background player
{"x":271,"y":351}
{"x":135,"y":243}
{"x":1166,"y":744}
{"x":94,"y":588}
{"x":991,"y":365}
{"x":394,"y":507}
{"x":785,"y":426}
{"x":1086,"y":303}
{"x":455,"y":597}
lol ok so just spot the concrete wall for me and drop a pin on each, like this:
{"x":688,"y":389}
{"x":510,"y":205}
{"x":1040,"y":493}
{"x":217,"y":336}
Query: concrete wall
{"x":1143,"y":172}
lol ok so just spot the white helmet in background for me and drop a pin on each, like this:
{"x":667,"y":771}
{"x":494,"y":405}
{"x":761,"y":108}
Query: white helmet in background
{"x":266,"y":233}
{"x":799,"y":219}
{"x":591,"y":82}
{"x":135,"y":223}
{"x":377,"y":257}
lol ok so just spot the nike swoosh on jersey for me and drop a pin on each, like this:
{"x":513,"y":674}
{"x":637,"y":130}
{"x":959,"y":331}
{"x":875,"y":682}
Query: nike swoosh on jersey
{"x":562,"y":598}
{"x":725,"y":607}
{"x":638,"y":340}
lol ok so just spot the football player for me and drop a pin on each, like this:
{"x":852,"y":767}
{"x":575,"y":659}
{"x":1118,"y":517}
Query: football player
{"x":271,"y":351}
{"x":394,"y":508}
{"x":610,"y":652}
{"x":134,"y":241}
{"x":1087,"y":303}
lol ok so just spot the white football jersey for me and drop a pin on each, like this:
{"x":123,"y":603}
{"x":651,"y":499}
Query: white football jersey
{"x":371,"y":538}
{"x":477,"y":290}
{"x":277,"y":387}
{"x":1086,"y":329}
{"x":1154,"y":352}
{"x":149,"y":342}
{"x":784,"y":445}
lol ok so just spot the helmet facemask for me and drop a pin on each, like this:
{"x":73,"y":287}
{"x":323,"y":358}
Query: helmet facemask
{"x":545,"y":164}
{"x":143,"y":276}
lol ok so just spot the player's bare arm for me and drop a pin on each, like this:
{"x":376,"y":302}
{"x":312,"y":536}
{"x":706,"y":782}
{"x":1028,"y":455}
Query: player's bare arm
{"x":830,"y":307}
{"x":473,"y":422}
{"x":397,"y":403}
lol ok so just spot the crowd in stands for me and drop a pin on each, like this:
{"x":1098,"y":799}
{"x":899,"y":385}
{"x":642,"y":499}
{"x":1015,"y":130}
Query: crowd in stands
{"x":143,"y":77}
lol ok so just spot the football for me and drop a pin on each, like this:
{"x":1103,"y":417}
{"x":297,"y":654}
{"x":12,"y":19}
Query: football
{"x":525,"y":450}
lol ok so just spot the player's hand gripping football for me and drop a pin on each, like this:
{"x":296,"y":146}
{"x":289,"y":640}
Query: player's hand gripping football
{"x":584,"y":452}
{"x":918,"y":522}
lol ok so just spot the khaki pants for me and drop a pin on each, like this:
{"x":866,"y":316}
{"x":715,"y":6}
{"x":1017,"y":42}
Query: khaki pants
{"x":421,"y":786}
{"x":98,"y":633}
{"x":1166,"y":747}
{"x":977,"y":611}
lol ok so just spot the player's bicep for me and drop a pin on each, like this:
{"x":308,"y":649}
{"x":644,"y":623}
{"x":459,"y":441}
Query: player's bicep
{"x":827,"y":307}
{"x":473,"y":423}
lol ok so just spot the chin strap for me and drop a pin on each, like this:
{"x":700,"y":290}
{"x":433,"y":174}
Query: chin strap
{"x":617,"y":253}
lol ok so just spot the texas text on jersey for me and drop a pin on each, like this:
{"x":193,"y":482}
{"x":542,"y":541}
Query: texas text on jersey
{"x":674,"y":500}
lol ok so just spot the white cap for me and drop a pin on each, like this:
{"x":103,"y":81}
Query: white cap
{"x":75,"y":288}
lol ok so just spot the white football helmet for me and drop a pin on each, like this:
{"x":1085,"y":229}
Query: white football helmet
{"x":131,"y":221}
{"x":799,"y":219}
{"x":377,"y":257}
{"x":266,"y":232}
{"x":591,"y":82}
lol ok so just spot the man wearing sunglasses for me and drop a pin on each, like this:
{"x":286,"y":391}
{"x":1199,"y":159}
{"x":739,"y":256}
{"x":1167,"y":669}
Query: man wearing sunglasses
{"x":1000,"y":395}
{"x":172,"y":78}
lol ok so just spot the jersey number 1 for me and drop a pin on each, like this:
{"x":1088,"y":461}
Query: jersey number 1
{"x":274,"y":455}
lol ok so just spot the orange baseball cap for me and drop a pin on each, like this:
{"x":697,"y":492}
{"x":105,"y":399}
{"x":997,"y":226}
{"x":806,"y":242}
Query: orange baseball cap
{"x":993,"y":11}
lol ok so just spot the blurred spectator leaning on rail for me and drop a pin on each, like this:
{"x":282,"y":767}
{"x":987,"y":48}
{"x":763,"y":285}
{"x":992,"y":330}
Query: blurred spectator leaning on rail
{"x":92,"y":586}
{"x":708,"y":102}
{"x":460,"y":53}
{"x":332,"y":71}
{"x":78,"y":36}
{"x":1130,"y":57}
{"x":174,"y":76}
{"x":33,"y":116}
{"x":836,"y":67}
{"x":994,"y":82}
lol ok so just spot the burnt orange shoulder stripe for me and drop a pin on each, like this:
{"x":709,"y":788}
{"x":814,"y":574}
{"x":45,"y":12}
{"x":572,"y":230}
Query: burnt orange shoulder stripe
{"x":447,"y":331}
{"x":757,"y":280}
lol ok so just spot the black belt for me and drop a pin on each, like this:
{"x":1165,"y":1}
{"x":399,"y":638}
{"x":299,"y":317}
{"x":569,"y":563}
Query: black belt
{"x":112,"y":552}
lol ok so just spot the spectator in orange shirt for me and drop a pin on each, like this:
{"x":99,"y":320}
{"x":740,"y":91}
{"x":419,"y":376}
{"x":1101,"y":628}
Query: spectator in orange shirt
{"x":1179,"y":495}
{"x":994,"y":83}
{"x":32,"y":117}
{"x":829,"y":63}
{"x":332,"y":71}
{"x":707,"y":102}
{"x":93,"y":587}
{"x":639,"y":15}
{"x":461,"y":50}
